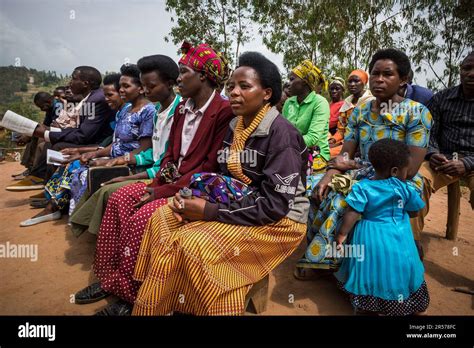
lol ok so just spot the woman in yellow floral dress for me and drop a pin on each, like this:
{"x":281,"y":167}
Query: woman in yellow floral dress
{"x":388,"y":116}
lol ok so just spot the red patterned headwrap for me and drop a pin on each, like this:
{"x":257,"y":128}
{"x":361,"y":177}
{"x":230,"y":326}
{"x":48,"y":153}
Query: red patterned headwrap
{"x":205,"y":59}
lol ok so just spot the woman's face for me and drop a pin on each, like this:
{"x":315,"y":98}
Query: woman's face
{"x":112,"y":97}
{"x":247,"y":96}
{"x":296,"y":86}
{"x":189,"y":81}
{"x":385,"y":80}
{"x":336,"y":91}
{"x":156,"y":90}
{"x":129,"y":90}
{"x":355,"y":85}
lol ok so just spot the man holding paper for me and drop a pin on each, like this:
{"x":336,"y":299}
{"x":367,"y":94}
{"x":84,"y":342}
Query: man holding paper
{"x":92,"y":123}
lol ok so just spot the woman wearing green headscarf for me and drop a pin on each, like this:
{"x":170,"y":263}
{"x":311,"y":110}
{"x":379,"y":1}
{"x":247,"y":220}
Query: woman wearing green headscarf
{"x":309,"y":111}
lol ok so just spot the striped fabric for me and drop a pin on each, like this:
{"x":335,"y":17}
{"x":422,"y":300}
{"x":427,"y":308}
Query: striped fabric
{"x":241,"y":135}
{"x":207,"y":268}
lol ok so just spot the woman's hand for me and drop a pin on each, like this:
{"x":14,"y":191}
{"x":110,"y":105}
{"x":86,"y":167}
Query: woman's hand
{"x":70,"y":151}
{"x":99,"y":163}
{"x":190,"y":209}
{"x":72,"y":154}
{"x":86,"y":157}
{"x":342,"y":163}
{"x":116,"y":162}
{"x":322,"y":189}
{"x":115,"y":180}
{"x":148,"y":197}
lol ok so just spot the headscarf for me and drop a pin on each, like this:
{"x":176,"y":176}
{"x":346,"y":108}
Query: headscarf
{"x":204,"y":58}
{"x":364,"y":77}
{"x":338,"y":81}
{"x":311,"y":74}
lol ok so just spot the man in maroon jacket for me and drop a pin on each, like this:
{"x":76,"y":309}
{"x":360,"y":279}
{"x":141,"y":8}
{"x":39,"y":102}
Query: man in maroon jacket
{"x":199,"y":126}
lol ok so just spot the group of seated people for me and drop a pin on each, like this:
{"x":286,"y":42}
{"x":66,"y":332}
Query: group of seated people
{"x":229,"y":172}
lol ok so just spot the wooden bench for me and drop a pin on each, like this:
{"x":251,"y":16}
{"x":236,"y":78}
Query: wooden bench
{"x":257,"y":298}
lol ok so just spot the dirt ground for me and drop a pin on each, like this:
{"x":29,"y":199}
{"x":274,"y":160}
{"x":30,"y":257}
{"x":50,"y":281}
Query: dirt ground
{"x":45,"y":286}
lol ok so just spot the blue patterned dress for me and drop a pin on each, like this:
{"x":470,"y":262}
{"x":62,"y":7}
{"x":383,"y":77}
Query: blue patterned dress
{"x":409,"y":122}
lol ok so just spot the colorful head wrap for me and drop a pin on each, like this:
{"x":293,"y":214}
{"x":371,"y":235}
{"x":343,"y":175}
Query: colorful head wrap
{"x":338,"y":81}
{"x":364,"y":77}
{"x":204,"y":58}
{"x":311,"y":74}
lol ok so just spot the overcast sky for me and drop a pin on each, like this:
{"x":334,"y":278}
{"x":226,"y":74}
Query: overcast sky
{"x":60,"y":35}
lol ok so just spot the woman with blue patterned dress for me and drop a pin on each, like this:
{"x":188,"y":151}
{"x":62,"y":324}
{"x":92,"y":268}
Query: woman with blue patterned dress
{"x":388,"y":116}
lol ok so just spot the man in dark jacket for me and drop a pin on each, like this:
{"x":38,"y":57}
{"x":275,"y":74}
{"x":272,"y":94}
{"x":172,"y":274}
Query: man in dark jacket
{"x":94,"y":126}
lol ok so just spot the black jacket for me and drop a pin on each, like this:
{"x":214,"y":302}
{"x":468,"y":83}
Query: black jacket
{"x":275,"y":158}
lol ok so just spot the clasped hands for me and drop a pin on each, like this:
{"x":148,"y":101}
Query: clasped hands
{"x":184,"y":209}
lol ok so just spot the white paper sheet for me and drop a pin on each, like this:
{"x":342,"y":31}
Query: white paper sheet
{"x":18,"y":123}
{"x":55,"y":157}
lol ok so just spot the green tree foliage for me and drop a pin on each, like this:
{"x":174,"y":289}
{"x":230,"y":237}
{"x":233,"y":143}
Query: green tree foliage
{"x":16,"y":79}
{"x":337,"y":35}
{"x":441,"y":33}
{"x":221,"y":23}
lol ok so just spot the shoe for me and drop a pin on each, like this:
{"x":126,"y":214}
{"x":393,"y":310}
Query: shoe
{"x":34,"y":221}
{"x":38,"y":197}
{"x":21,"y":176}
{"x":39,"y":204}
{"x":29,"y":183}
{"x":90,"y":294}
{"x":120,"y":308}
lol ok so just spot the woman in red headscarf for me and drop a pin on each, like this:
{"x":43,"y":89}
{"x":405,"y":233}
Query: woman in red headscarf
{"x":356,"y":84}
{"x":199,"y":126}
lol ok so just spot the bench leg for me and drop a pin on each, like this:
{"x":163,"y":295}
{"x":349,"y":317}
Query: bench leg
{"x":454,"y":204}
{"x":258,"y":296}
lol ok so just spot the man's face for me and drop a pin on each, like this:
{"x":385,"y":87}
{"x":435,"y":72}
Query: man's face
{"x":467,"y":72}
{"x":76,"y":84}
{"x":59,"y":94}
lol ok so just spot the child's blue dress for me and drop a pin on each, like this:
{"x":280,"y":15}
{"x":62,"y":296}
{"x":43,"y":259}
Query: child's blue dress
{"x":386,"y":275}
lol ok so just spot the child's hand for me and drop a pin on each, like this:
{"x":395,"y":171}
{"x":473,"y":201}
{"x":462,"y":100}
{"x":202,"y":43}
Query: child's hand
{"x":340,"y":239}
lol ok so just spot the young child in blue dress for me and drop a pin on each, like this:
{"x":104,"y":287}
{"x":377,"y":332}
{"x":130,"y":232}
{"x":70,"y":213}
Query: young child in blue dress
{"x":388,"y":279}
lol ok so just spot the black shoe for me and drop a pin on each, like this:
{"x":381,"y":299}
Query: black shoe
{"x":119,"y":308}
{"x":92,"y":293}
